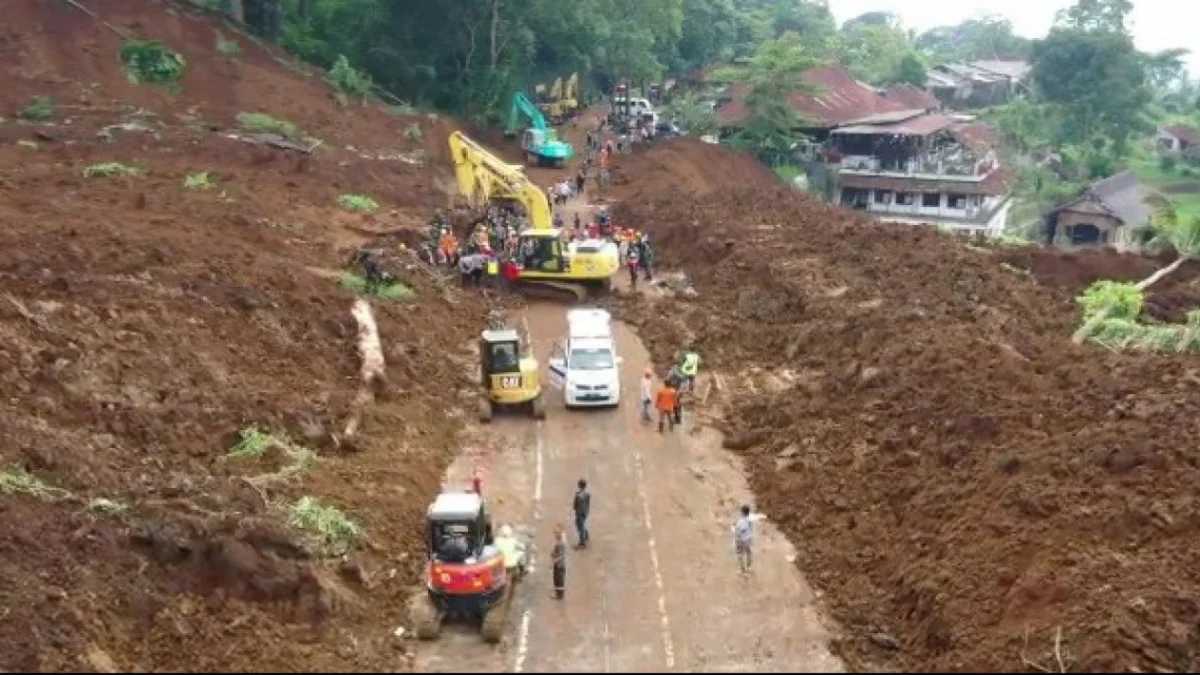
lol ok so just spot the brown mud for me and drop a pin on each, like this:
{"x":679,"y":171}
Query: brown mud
{"x":961,"y":482}
{"x":144,"y":324}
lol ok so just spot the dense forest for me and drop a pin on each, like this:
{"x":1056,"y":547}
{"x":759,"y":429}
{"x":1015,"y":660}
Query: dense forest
{"x":1092,"y":97}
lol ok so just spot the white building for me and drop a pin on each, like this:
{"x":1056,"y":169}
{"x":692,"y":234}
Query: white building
{"x":925,"y":168}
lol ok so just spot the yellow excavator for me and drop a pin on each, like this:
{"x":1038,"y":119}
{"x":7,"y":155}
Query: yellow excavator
{"x":549,"y":100}
{"x":546,"y":265}
{"x":569,"y":103}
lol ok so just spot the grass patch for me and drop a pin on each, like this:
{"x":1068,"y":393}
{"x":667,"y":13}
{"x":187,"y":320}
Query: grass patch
{"x":229,"y":48}
{"x":16,"y":480}
{"x":389,"y":291}
{"x":1166,"y":180}
{"x":333,"y":529}
{"x":413,"y":132}
{"x":109,"y":170}
{"x":198,"y":181}
{"x":264,"y":122}
{"x":151,"y":61}
{"x":362,"y":203}
{"x":38,"y":109}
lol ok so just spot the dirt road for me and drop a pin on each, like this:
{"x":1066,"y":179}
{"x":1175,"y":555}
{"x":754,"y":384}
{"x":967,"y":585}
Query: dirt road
{"x":659,"y":587}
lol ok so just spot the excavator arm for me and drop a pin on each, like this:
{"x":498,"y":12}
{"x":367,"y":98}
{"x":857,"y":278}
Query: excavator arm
{"x":556,"y":91}
{"x":481,"y":176}
{"x":571,"y":91}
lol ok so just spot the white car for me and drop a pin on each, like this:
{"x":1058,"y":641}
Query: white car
{"x":585,"y":364}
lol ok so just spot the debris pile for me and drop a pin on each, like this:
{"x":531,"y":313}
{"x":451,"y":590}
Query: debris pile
{"x":967,"y":488}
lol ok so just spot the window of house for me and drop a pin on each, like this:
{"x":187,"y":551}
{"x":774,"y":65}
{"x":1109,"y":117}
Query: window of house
{"x":931,"y":200}
{"x":905,"y":199}
{"x":956,"y":201}
{"x":883,"y":196}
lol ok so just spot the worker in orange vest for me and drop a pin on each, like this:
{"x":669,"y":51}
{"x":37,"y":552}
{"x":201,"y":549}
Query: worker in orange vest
{"x":664,"y":401}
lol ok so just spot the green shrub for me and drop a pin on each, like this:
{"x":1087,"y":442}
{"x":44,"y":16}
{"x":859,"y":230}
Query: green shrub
{"x":347,"y":80}
{"x":151,"y":61}
{"x":1167,"y":162}
{"x":39,"y":109}
{"x":358,"y":203}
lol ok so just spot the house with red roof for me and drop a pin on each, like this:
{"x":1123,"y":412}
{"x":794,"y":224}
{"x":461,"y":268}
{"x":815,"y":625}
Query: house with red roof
{"x":1175,"y":138}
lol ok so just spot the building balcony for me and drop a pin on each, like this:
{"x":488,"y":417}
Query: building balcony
{"x":936,"y":168}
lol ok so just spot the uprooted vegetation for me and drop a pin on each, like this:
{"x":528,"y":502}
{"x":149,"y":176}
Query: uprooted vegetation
{"x":1111,"y":317}
{"x":968,"y":488}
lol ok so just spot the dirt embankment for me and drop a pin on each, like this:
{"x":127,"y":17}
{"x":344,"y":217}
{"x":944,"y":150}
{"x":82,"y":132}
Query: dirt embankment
{"x":145,"y":323}
{"x":960,"y":480}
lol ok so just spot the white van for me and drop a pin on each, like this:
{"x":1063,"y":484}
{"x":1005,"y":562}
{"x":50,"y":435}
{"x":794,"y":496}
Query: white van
{"x":636,"y":108}
{"x":585,"y":364}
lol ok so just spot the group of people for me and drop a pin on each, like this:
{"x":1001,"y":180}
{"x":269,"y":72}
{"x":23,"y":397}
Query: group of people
{"x":667,"y":400}
{"x":514,"y":551}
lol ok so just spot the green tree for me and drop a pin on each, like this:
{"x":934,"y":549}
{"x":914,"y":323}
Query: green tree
{"x":772,"y":75}
{"x":989,"y":37}
{"x":1089,"y":67}
{"x":911,"y":70}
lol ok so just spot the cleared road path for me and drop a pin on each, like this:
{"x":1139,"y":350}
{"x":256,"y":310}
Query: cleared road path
{"x":658,"y":588}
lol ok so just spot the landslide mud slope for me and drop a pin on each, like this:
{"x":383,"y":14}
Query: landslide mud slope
{"x":962,"y":482}
{"x":144,"y":324}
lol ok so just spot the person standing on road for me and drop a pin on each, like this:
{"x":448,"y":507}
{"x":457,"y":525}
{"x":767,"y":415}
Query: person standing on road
{"x":647,"y":393}
{"x":582,"y":506}
{"x":689,"y":366}
{"x":743,"y":539}
{"x":665,"y":402}
{"x":558,"y":562}
{"x":676,"y":379}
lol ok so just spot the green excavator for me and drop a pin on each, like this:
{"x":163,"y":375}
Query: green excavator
{"x":539,"y":140}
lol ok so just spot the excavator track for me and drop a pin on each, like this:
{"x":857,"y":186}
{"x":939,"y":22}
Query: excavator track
{"x":556,"y":291}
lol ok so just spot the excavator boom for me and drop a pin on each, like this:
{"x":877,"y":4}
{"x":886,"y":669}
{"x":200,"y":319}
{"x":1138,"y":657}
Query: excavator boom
{"x":482,"y":176}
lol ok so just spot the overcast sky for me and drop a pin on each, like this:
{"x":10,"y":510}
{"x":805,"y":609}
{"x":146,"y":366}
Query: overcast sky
{"x":1156,"y":24}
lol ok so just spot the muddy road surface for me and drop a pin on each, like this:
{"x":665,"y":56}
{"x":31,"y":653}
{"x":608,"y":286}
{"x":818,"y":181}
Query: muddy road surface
{"x":658,"y":587}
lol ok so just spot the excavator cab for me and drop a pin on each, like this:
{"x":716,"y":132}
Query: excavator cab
{"x":541,"y":251}
{"x":465,"y":576}
{"x":508,"y":379}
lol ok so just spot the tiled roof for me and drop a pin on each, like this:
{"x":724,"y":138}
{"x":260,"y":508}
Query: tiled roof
{"x":1181,"y":132}
{"x":917,"y":126}
{"x":837,"y":99}
{"x":912,"y":97}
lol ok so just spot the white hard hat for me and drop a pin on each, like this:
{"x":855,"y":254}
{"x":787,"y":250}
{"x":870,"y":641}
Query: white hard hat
{"x":506,"y":531}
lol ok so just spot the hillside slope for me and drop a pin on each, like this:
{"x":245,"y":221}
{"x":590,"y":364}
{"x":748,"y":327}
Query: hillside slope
{"x":960,"y":480}
{"x":146,"y":323}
